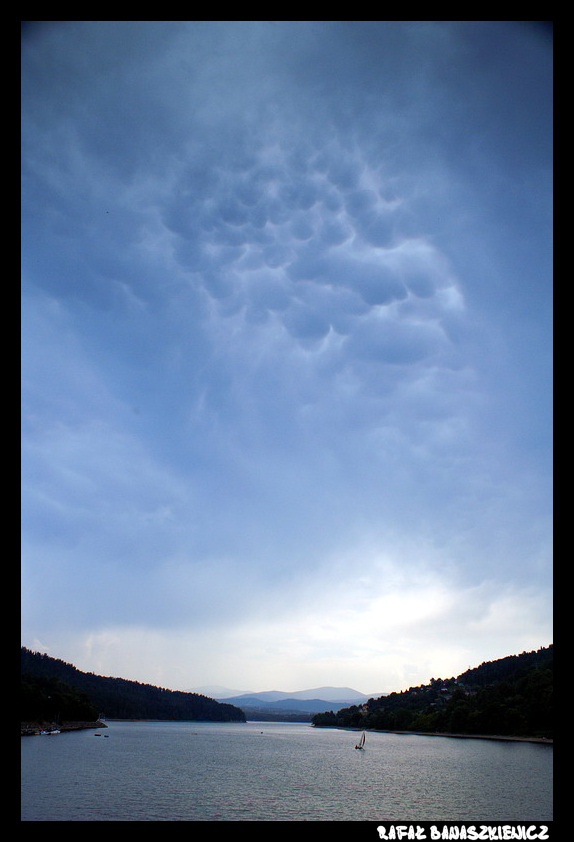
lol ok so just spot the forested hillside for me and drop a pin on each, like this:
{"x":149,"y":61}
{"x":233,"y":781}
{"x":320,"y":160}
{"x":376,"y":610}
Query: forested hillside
{"x":49,"y":684}
{"x":510,"y":697}
{"x":45,"y":699}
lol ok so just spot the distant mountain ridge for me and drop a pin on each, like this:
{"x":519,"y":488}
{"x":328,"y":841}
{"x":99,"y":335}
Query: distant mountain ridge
{"x":216,"y":691}
{"x":284,"y":703}
{"x":329,"y":694}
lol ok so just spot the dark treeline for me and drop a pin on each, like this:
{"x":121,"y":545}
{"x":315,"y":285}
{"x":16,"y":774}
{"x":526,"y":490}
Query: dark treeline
{"x":47,"y":699}
{"x":509,"y":697}
{"x":49,"y":684}
{"x":276,"y":715}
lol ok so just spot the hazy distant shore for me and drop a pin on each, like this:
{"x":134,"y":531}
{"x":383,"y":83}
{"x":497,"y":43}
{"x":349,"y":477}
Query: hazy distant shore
{"x":500,"y":737}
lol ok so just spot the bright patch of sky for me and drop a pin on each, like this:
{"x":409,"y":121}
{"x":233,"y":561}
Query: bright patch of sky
{"x":286,"y":348}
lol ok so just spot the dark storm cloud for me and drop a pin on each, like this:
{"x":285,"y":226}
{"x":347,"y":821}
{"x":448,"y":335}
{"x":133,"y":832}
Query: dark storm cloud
{"x":277,"y":280}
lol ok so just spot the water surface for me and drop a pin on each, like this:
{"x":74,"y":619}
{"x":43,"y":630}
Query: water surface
{"x":192,"y":771}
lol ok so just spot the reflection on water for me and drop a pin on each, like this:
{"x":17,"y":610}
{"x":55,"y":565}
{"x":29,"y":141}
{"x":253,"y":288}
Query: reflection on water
{"x":191,"y":771}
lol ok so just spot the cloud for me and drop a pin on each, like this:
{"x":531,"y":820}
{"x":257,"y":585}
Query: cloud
{"x":276,"y":302}
{"x":342,"y":631}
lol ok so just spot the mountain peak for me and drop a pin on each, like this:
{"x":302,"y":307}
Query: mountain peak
{"x":216,"y":691}
{"x":326,"y":694}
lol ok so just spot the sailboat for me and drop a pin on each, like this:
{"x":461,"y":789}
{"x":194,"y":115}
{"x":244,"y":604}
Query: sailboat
{"x":361,"y":744}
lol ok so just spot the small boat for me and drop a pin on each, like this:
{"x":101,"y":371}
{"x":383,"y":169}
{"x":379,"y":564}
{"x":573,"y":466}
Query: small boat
{"x":53,"y":731}
{"x":361,"y":744}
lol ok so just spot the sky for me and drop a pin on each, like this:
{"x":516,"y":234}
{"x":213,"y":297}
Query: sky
{"x":286,"y":349}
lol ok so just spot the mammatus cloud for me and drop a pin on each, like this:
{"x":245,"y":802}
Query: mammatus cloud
{"x":277,"y":394}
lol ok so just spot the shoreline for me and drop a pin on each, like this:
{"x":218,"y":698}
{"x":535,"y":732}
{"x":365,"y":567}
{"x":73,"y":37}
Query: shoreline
{"x":499,"y":737}
{"x":30,"y":729}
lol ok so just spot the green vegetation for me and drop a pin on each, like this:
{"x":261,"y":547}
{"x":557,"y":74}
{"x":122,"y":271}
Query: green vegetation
{"x":258,"y":715}
{"x":508,"y":697}
{"x":47,"y":699}
{"x":53,"y":689}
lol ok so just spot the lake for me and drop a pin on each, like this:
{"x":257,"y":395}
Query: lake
{"x":265,"y":771}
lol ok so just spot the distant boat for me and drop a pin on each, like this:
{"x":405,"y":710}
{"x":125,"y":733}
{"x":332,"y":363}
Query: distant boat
{"x":361,"y":744}
{"x":54,"y":731}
